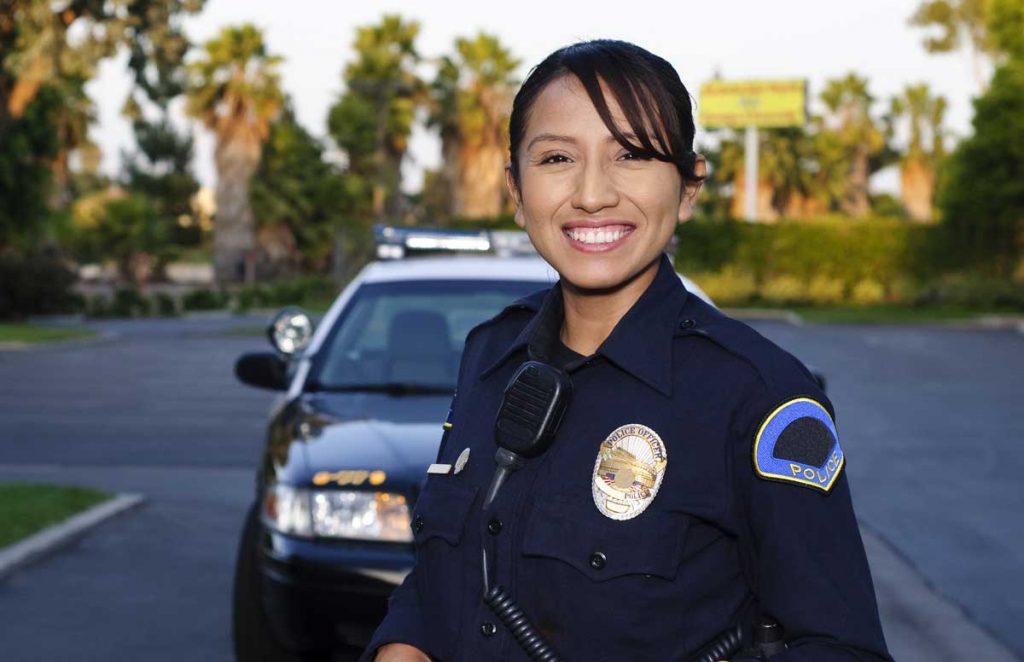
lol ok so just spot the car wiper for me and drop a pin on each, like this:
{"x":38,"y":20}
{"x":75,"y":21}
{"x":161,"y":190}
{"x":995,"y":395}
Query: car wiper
{"x":391,"y":388}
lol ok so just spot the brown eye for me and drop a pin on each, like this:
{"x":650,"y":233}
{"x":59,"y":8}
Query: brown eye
{"x":554,"y":158}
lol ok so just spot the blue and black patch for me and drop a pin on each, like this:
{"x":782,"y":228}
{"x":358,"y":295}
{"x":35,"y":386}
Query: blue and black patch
{"x":798,"y":443}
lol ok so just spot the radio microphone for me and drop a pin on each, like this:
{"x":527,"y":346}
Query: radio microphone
{"x":531,"y":409}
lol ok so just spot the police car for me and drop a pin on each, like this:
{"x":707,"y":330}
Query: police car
{"x":364,"y":397}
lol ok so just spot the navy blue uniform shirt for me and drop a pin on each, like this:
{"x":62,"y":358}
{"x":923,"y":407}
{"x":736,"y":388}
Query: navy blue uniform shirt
{"x":666,"y":414}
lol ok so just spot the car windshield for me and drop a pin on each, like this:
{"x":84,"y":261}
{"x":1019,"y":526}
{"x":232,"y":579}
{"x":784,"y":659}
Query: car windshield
{"x":406,"y":337}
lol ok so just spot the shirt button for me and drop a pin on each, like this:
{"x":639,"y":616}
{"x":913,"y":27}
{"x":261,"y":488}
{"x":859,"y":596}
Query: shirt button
{"x":494,"y":526}
{"x":598,"y":560}
{"x":417,"y":524}
{"x":488,"y":629}
{"x":687,"y":324}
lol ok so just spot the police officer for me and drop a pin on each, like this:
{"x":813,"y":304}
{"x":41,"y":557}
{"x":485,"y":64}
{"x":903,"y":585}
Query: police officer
{"x":696,"y":480}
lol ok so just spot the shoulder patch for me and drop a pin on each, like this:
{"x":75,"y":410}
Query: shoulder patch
{"x":798,"y":443}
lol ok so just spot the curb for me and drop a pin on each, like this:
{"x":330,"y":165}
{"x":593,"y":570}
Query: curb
{"x":991,"y":323}
{"x":62,"y":534}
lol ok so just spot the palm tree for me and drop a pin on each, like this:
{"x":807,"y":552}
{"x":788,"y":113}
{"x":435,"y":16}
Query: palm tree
{"x":785,"y":177}
{"x":959,"y":22}
{"x":923,"y":114}
{"x":472,"y":99}
{"x":235,"y":90}
{"x":850,"y":125}
{"x":373,"y":119}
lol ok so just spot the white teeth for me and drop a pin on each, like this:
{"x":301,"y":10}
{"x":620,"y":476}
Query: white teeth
{"x":596,"y":236}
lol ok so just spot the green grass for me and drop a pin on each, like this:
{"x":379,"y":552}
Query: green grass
{"x":29,"y":507}
{"x":885,"y":314}
{"x":31,"y":333}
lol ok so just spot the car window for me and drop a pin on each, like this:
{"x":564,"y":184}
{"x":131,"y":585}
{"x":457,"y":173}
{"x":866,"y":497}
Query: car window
{"x":408,"y":333}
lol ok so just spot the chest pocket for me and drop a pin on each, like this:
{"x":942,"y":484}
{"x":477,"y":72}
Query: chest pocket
{"x":441,"y":511}
{"x":571,"y":529}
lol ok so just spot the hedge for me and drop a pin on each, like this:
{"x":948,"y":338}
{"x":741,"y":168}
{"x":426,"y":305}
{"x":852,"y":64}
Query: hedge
{"x":836,"y":261}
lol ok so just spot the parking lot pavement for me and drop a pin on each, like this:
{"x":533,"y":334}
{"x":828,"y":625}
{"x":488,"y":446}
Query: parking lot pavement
{"x":930,"y":422}
{"x":926,"y":416}
{"x":152,"y":585}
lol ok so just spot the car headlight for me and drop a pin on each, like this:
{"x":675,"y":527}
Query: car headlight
{"x":351,"y":514}
{"x":361,"y":515}
{"x":286,"y":509}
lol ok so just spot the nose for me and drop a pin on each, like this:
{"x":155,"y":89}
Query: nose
{"x":595,"y":188}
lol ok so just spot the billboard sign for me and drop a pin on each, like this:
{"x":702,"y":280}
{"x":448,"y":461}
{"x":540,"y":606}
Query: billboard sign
{"x":766,"y":104}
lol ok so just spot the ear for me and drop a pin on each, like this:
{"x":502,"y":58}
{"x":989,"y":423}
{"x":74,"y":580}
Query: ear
{"x":513,"y":192}
{"x":692,"y":188}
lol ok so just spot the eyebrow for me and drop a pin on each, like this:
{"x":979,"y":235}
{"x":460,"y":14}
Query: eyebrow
{"x":553,"y":137}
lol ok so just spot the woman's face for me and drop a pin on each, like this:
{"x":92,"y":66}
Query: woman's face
{"x":598,"y":214}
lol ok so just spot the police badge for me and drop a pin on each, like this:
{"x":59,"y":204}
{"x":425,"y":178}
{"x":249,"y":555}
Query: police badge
{"x":628,"y":471}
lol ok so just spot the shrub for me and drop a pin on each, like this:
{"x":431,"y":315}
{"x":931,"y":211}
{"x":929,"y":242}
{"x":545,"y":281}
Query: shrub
{"x":129,"y":302}
{"x":35,"y":284}
{"x":306,"y":290}
{"x":784,"y":290}
{"x":867,"y":292}
{"x":205,"y":299}
{"x":839,"y":248}
{"x":98,"y":307}
{"x":901,"y":291}
{"x":975,"y":292}
{"x":164,"y":305}
{"x":826,"y":290}
{"x":729,"y":287}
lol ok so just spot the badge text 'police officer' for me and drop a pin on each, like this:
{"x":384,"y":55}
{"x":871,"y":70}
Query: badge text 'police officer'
{"x":628,"y":471}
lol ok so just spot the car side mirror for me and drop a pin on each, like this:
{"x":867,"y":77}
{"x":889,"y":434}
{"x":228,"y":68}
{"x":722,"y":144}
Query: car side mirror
{"x":263,"y":370}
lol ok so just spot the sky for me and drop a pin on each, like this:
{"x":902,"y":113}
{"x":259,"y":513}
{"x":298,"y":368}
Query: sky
{"x":738,"y":39}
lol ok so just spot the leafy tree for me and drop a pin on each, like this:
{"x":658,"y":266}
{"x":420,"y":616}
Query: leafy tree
{"x":36,"y":55}
{"x":982,"y":186}
{"x":372,"y":120}
{"x":471,"y":102}
{"x":235,"y":90}
{"x":26,"y":154}
{"x":850,"y":139}
{"x":923,"y":115}
{"x":1005,"y":25}
{"x":48,"y":52}
{"x":125,"y":226}
{"x":298,"y":198}
{"x":161,"y":168}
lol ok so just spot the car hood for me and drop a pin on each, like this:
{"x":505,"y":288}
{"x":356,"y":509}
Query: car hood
{"x":357,"y":439}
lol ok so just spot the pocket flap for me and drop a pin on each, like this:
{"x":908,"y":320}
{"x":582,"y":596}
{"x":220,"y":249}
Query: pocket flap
{"x":441,"y":511}
{"x":572,"y":530}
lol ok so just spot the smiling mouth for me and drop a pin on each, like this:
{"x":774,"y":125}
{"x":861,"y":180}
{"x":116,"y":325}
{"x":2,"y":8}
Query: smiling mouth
{"x":604,"y":236}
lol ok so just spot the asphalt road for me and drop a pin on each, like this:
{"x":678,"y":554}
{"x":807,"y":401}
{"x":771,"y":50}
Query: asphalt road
{"x":929,"y":417}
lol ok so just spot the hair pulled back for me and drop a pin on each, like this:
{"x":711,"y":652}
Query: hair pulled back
{"x":647,"y":88}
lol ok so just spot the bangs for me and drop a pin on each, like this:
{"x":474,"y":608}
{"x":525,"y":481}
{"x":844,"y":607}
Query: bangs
{"x":655,"y":103}
{"x":651,"y":113}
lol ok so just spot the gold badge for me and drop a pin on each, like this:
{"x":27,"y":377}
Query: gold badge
{"x":628,"y":471}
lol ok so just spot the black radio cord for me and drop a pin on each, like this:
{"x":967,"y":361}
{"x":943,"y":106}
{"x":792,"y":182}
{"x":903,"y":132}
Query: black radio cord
{"x":722,"y":647}
{"x":513,"y":618}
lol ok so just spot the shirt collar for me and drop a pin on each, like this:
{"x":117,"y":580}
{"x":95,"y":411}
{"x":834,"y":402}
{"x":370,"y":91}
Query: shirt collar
{"x":640,"y":344}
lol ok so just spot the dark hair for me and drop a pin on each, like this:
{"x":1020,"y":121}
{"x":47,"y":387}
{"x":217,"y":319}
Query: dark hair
{"x":646,"y":87}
